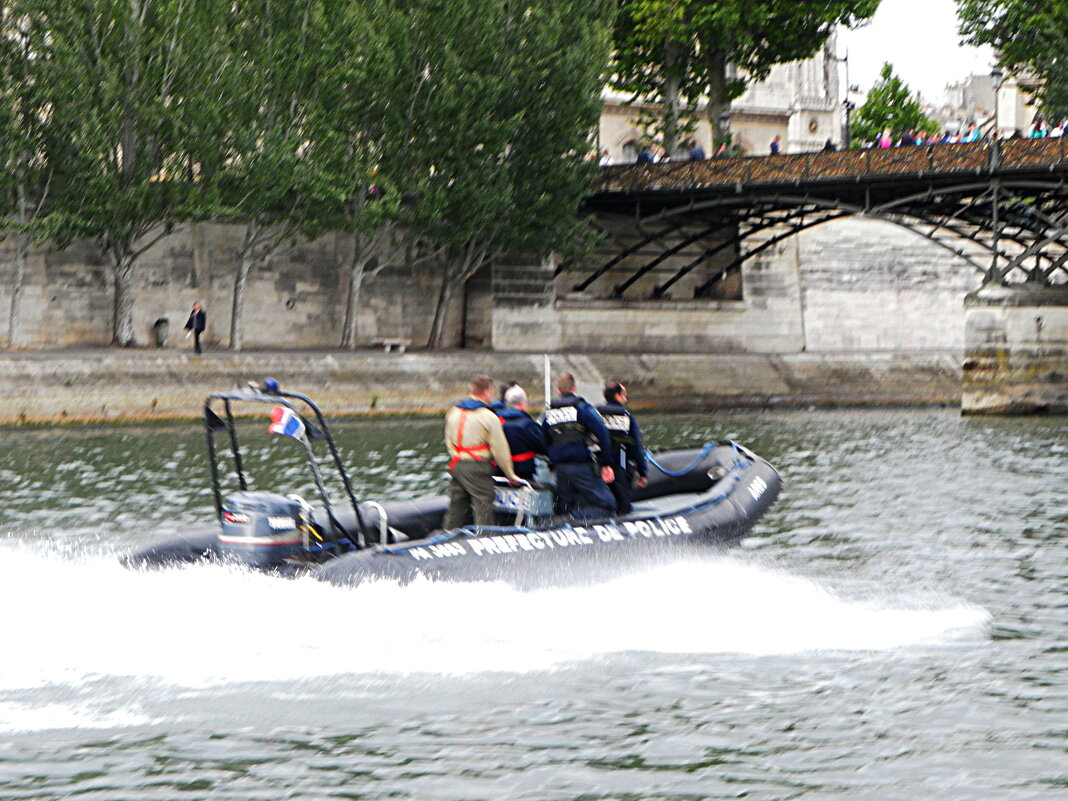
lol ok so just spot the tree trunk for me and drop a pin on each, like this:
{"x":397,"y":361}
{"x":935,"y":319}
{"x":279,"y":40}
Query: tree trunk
{"x":237,"y":305}
{"x":122,"y":314}
{"x":22,"y":247}
{"x":718,"y":104}
{"x":671,"y":99}
{"x":357,"y":269}
{"x":437,"y":327}
{"x":14,"y":326}
{"x":237,"y":301}
{"x":455,"y":274}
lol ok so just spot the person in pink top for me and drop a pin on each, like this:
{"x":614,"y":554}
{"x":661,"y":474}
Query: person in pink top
{"x":885,"y":139}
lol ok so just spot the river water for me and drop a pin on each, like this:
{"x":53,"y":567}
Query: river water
{"x":893,"y":629}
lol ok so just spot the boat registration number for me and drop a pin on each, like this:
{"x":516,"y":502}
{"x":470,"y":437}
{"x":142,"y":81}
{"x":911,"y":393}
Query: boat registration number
{"x":518,"y":499}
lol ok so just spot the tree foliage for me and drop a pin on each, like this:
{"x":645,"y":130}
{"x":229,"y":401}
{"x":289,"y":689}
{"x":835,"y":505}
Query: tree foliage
{"x":715,"y":48}
{"x":121,"y":83}
{"x":502,"y":98}
{"x":1028,"y":35}
{"x":24,"y":172}
{"x":437,"y":133}
{"x":355,"y":134}
{"x":890,"y":106}
{"x":269,"y":180}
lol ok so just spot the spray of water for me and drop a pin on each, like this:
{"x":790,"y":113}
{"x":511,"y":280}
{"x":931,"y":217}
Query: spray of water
{"x":70,"y":620}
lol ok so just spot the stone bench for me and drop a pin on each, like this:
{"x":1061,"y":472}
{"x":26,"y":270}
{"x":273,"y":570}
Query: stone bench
{"x":389,"y":344}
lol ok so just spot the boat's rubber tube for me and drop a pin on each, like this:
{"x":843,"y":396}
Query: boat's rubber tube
{"x":196,"y":545}
{"x":567,"y":553}
{"x":696,"y":498}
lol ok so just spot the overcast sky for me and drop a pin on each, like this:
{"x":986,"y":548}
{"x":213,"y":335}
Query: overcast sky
{"x":919,"y":38}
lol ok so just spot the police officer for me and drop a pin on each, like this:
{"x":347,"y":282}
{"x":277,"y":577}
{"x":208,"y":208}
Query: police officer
{"x":525,"y":436}
{"x":628,"y":453}
{"x":475,"y":438}
{"x":571,"y":427}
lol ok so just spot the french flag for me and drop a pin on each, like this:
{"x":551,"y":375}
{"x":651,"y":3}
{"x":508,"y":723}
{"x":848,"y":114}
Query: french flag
{"x":285,"y":421}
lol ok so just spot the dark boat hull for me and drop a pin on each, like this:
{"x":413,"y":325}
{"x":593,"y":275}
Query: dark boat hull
{"x":663,"y":529}
{"x":701,"y":500}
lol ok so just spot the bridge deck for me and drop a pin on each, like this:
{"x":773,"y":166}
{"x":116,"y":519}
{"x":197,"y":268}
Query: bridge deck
{"x":848,"y":175}
{"x":1009,"y":198}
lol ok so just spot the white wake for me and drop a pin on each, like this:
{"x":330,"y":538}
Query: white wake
{"x":69,"y":620}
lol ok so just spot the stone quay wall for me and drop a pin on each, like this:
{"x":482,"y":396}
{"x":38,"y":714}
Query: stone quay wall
{"x":851,"y":286}
{"x":1016,"y":359}
{"x":295,"y":300}
{"x":850,"y":312}
{"x":111,"y":385}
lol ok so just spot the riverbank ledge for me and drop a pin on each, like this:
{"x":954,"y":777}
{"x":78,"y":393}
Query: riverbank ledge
{"x":137,"y":385}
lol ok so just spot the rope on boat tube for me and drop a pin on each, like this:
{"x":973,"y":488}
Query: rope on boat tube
{"x":707,"y":449}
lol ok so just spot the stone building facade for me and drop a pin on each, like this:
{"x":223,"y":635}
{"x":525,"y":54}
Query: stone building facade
{"x":799,"y":102}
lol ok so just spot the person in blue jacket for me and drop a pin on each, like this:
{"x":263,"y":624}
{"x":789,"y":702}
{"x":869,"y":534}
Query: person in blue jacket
{"x":579,"y":449}
{"x":628,"y":452}
{"x":525,"y":436}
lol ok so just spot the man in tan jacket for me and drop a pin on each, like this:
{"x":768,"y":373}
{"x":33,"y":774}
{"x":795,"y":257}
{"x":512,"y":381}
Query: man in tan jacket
{"x":475,"y":439}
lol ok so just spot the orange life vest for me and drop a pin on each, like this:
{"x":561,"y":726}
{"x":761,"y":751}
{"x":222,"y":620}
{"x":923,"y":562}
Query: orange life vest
{"x":461,"y":450}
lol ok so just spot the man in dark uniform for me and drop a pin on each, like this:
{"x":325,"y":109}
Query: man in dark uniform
{"x":525,"y":436}
{"x":571,"y":425}
{"x":628,"y":452}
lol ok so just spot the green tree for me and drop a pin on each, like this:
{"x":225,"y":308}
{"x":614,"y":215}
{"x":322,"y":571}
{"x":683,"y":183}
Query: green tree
{"x":504,"y":96}
{"x":360,"y":141}
{"x":267,"y":180}
{"x":891,"y":106}
{"x":1028,"y":35}
{"x":123,"y":82}
{"x":677,"y":82}
{"x":24,"y":176}
{"x":717,"y":47}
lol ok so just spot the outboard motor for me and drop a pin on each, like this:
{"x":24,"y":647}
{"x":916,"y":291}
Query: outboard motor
{"x":261,"y":529}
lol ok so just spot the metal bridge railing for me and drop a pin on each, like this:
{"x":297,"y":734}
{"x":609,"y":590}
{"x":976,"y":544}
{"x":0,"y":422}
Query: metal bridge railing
{"x":939,"y":159}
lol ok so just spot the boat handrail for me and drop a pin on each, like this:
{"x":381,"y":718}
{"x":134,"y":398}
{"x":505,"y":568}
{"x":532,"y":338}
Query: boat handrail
{"x":707,"y":449}
{"x":503,"y":482}
{"x":383,"y":521}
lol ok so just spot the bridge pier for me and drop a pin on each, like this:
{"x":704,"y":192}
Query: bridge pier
{"x":1015,"y":350}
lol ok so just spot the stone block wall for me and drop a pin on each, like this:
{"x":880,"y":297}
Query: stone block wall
{"x":525,"y":317}
{"x":1016,"y":350}
{"x":871,"y":285}
{"x":846,"y":286}
{"x":296,"y":300}
{"x":759,"y":313}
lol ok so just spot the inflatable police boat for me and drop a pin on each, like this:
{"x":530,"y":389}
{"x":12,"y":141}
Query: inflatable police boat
{"x":697,"y":499}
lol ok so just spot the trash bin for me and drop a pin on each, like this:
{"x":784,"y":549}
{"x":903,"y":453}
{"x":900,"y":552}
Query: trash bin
{"x":160,"y":329}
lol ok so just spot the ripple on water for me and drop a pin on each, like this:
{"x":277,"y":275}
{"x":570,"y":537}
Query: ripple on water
{"x":892,"y":629}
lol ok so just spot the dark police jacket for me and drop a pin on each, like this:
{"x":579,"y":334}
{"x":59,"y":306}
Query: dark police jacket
{"x":628,"y":452}
{"x":525,"y":438}
{"x":571,"y":425}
